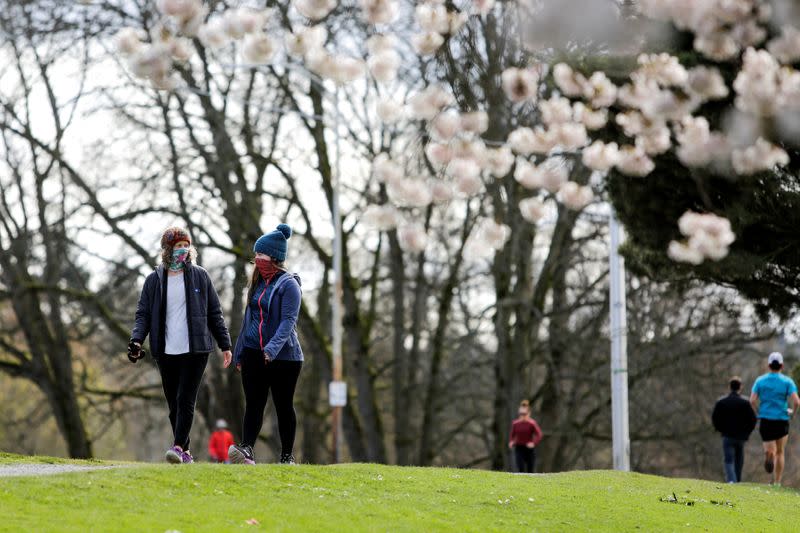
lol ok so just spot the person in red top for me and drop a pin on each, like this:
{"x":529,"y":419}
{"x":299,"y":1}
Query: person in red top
{"x":219,"y":442}
{"x":525,"y":436}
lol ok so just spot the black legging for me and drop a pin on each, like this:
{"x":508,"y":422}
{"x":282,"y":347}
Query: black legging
{"x":258,"y":379}
{"x":525,"y":458}
{"x":181,"y":376}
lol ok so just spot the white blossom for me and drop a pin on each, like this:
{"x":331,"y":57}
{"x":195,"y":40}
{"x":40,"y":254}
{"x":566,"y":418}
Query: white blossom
{"x":314,"y":9}
{"x":532,"y":209}
{"x":258,"y":48}
{"x":600,"y":91}
{"x":655,"y":141}
{"x":463,"y":168}
{"x":706,"y":83}
{"x":379,"y":11}
{"x":569,"y":135}
{"x":381,"y":217}
{"x":427,"y":43}
{"x":212,"y":34}
{"x":128,"y":42}
{"x":381,"y":43}
{"x":698,"y":146}
{"x":438,"y":154}
{"x":389,"y":111}
{"x":762,"y":156}
{"x":305,"y":39}
{"x":575,"y":196}
{"x":385,"y":169}
{"x":475,"y":122}
{"x":499,"y":161}
{"x":526,"y":141}
{"x":786,"y":48}
{"x":549,"y":175}
{"x":427,"y":103}
{"x":445,"y":125}
{"x":592,"y":119}
{"x":383,"y":65}
{"x":346,"y":69}
{"x":442,"y":192}
{"x":682,"y":253}
{"x":601,"y":156}
{"x":520,"y":84}
{"x":760,"y":83}
{"x":569,"y":82}
{"x":709,"y":237}
{"x":492,"y":234}
{"x":468,"y":185}
{"x":409,"y":192}
{"x":639,"y":92}
{"x":633,"y":161}
{"x":662,"y":68}
{"x":412,"y":237}
{"x":433,"y":18}
{"x":472,"y":149}
{"x":556,"y":110}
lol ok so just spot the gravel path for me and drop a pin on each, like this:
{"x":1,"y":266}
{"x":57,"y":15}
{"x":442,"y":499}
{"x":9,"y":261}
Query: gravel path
{"x":32,"y":469}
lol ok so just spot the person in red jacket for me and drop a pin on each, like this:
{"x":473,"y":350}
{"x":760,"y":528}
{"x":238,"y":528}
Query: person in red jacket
{"x":525,"y":436}
{"x":219,"y":442}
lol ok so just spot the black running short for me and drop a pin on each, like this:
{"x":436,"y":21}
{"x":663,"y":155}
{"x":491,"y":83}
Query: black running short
{"x":773,"y":429}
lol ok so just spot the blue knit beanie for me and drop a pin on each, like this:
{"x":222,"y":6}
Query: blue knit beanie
{"x":274,"y":243}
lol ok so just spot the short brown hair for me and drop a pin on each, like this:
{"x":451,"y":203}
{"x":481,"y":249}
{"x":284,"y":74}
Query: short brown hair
{"x":525,"y":403}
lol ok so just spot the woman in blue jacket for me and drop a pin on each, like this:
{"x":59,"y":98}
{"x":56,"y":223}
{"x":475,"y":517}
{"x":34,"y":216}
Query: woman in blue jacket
{"x":179,"y":309}
{"x":267,"y":350}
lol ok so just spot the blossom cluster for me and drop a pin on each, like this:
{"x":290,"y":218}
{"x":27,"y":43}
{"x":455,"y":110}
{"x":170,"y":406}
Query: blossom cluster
{"x":708,"y":237}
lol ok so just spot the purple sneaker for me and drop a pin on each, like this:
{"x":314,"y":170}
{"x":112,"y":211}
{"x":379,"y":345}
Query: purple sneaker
{"x":241,"y":455}
{"x":186,"y":457}
{"x":175,"y":455}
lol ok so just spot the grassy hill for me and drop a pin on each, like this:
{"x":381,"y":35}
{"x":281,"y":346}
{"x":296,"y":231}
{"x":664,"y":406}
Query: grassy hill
{"x":365,"y":497}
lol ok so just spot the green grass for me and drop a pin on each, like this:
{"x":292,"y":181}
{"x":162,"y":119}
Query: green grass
{"x":363,"y":497}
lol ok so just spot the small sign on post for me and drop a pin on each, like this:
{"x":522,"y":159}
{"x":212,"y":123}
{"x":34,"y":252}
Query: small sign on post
{"x":337,"y":393}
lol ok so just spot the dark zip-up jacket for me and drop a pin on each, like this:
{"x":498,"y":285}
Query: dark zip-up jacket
{"x":733,"y":416}
{"x":276,"y":320}
{"x":203,"y":312}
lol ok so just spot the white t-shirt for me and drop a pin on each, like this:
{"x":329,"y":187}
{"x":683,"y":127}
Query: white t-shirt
{"x":177,"y":330}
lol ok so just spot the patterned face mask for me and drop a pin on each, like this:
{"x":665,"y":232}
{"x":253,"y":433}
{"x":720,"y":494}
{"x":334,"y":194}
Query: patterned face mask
{"x":179,"y":257}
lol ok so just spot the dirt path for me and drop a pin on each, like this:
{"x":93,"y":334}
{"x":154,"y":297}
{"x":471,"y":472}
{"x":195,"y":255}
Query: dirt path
{"x":32,"y":469}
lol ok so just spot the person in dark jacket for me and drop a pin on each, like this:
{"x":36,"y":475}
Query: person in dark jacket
{"x":734,"y":418}
{"x":179,"y":309}
{"x":267,"y":351}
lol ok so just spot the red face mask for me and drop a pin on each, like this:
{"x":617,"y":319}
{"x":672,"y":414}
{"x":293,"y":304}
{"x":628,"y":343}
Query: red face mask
{"x":267,"y":268}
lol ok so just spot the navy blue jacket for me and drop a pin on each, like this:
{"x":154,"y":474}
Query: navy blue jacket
{"x":203,"y":312}
{"x":278,"y":328}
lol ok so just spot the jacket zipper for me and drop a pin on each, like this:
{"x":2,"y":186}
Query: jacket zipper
{"x":261,"y":321}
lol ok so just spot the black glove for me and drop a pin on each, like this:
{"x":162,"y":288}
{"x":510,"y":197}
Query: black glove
{"x":135,"y":351}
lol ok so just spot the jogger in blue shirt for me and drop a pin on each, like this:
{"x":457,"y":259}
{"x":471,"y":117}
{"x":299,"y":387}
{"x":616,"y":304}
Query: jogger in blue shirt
{"x":770,"y":399}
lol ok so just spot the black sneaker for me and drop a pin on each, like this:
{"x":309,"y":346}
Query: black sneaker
{"x":287,"y":459}
{"x":241,"y":455}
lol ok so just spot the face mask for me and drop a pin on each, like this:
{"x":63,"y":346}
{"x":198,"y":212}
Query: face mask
{"x":179,"y":257}
{"x":523,"y":413}
{"x":267,"y":268}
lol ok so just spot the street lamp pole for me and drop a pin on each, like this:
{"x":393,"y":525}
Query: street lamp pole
{"x":336,"y":314}
{"x":619,"y":356}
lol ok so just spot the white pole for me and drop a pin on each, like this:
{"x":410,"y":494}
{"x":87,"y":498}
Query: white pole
{"x":337,"y":288}
{"x":619,"y":358}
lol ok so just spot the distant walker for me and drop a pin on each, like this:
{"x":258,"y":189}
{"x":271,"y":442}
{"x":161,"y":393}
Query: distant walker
{"x":525,"y":436}
{"x":734,"y":418}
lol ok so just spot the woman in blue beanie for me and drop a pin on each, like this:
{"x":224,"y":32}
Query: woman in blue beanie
{"x":267,"y":350}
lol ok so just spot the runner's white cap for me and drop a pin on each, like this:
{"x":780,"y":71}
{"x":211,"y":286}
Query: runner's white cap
{"x":775,"y":357}
{"x":221,"y":424}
